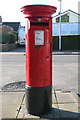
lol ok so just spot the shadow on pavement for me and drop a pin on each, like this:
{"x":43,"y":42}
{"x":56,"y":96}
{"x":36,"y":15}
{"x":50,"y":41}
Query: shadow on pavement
{"x":59,"y":114}
{"x":56,"y":114}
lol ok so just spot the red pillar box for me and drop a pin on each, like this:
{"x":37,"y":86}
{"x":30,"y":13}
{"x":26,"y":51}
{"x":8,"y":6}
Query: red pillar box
{"x":38,"y":58}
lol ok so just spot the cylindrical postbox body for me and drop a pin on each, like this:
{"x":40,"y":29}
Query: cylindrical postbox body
{"x":38,"y":58}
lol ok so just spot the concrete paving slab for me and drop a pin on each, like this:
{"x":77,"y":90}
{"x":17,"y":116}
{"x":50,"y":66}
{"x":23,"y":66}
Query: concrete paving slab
{"x":65,"y":97}
{"x":49,"y":115}
{"x":65,"y":108}
{"x":54,"y":99}
{"x":10,"y":102}
{"x":13,"y":101}
{"x":55,"y":113}
{"x":75,"y":96}
{"x":27,"y":116}
{"x":9,"y":111}
{"x":69,"y":110}
{"x":55,"y":106}
{"x":71,"y":107}
{"x":23,"y":114}
{"x":0,"y":105}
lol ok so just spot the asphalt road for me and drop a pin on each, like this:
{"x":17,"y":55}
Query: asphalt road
{"x":65,"y":70}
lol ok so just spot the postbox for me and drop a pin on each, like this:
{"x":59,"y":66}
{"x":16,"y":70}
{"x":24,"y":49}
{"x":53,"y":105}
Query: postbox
{"x":38,"y":58}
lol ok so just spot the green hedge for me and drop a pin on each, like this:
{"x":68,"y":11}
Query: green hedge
{"x":67,"y":42}
{"x":4,"y":38}
{"x":10,"y":38}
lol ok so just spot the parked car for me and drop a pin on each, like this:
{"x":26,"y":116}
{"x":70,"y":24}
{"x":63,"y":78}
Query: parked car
{"x":21,"y":35}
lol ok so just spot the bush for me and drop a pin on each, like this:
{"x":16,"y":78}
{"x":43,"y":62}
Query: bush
{"x":4,"y":38}
{"x":12,"y":37}
{"x":6,"y":29}
{"x":16,"y":35}
{"x":8,"y":38}
{"x":7,"y":35}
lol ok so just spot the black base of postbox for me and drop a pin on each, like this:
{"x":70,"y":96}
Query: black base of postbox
{"x":38,"y":100}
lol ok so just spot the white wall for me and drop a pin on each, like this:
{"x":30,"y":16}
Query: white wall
{"x":66,"y":29}
{"x":54,"y":20}
{"x":73,"y":17}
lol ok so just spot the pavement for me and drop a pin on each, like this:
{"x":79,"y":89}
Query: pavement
{"x":21,"y":50}
{"x":53,"y":53}
{"x":65,"y":106}
{"x":66,"y":53}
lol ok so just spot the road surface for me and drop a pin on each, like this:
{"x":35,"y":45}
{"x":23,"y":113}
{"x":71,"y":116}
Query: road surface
{"x":65,"y":70}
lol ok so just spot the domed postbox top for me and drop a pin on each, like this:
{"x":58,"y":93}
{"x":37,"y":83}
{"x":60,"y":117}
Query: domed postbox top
{"x":38,"y":10}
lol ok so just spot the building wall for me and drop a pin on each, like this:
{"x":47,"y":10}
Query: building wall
{"x":66,"y":28}
{"x":54,"y":20}
{"x":73,"y":17}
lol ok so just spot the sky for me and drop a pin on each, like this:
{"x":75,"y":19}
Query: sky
{"x":10,"y":9}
